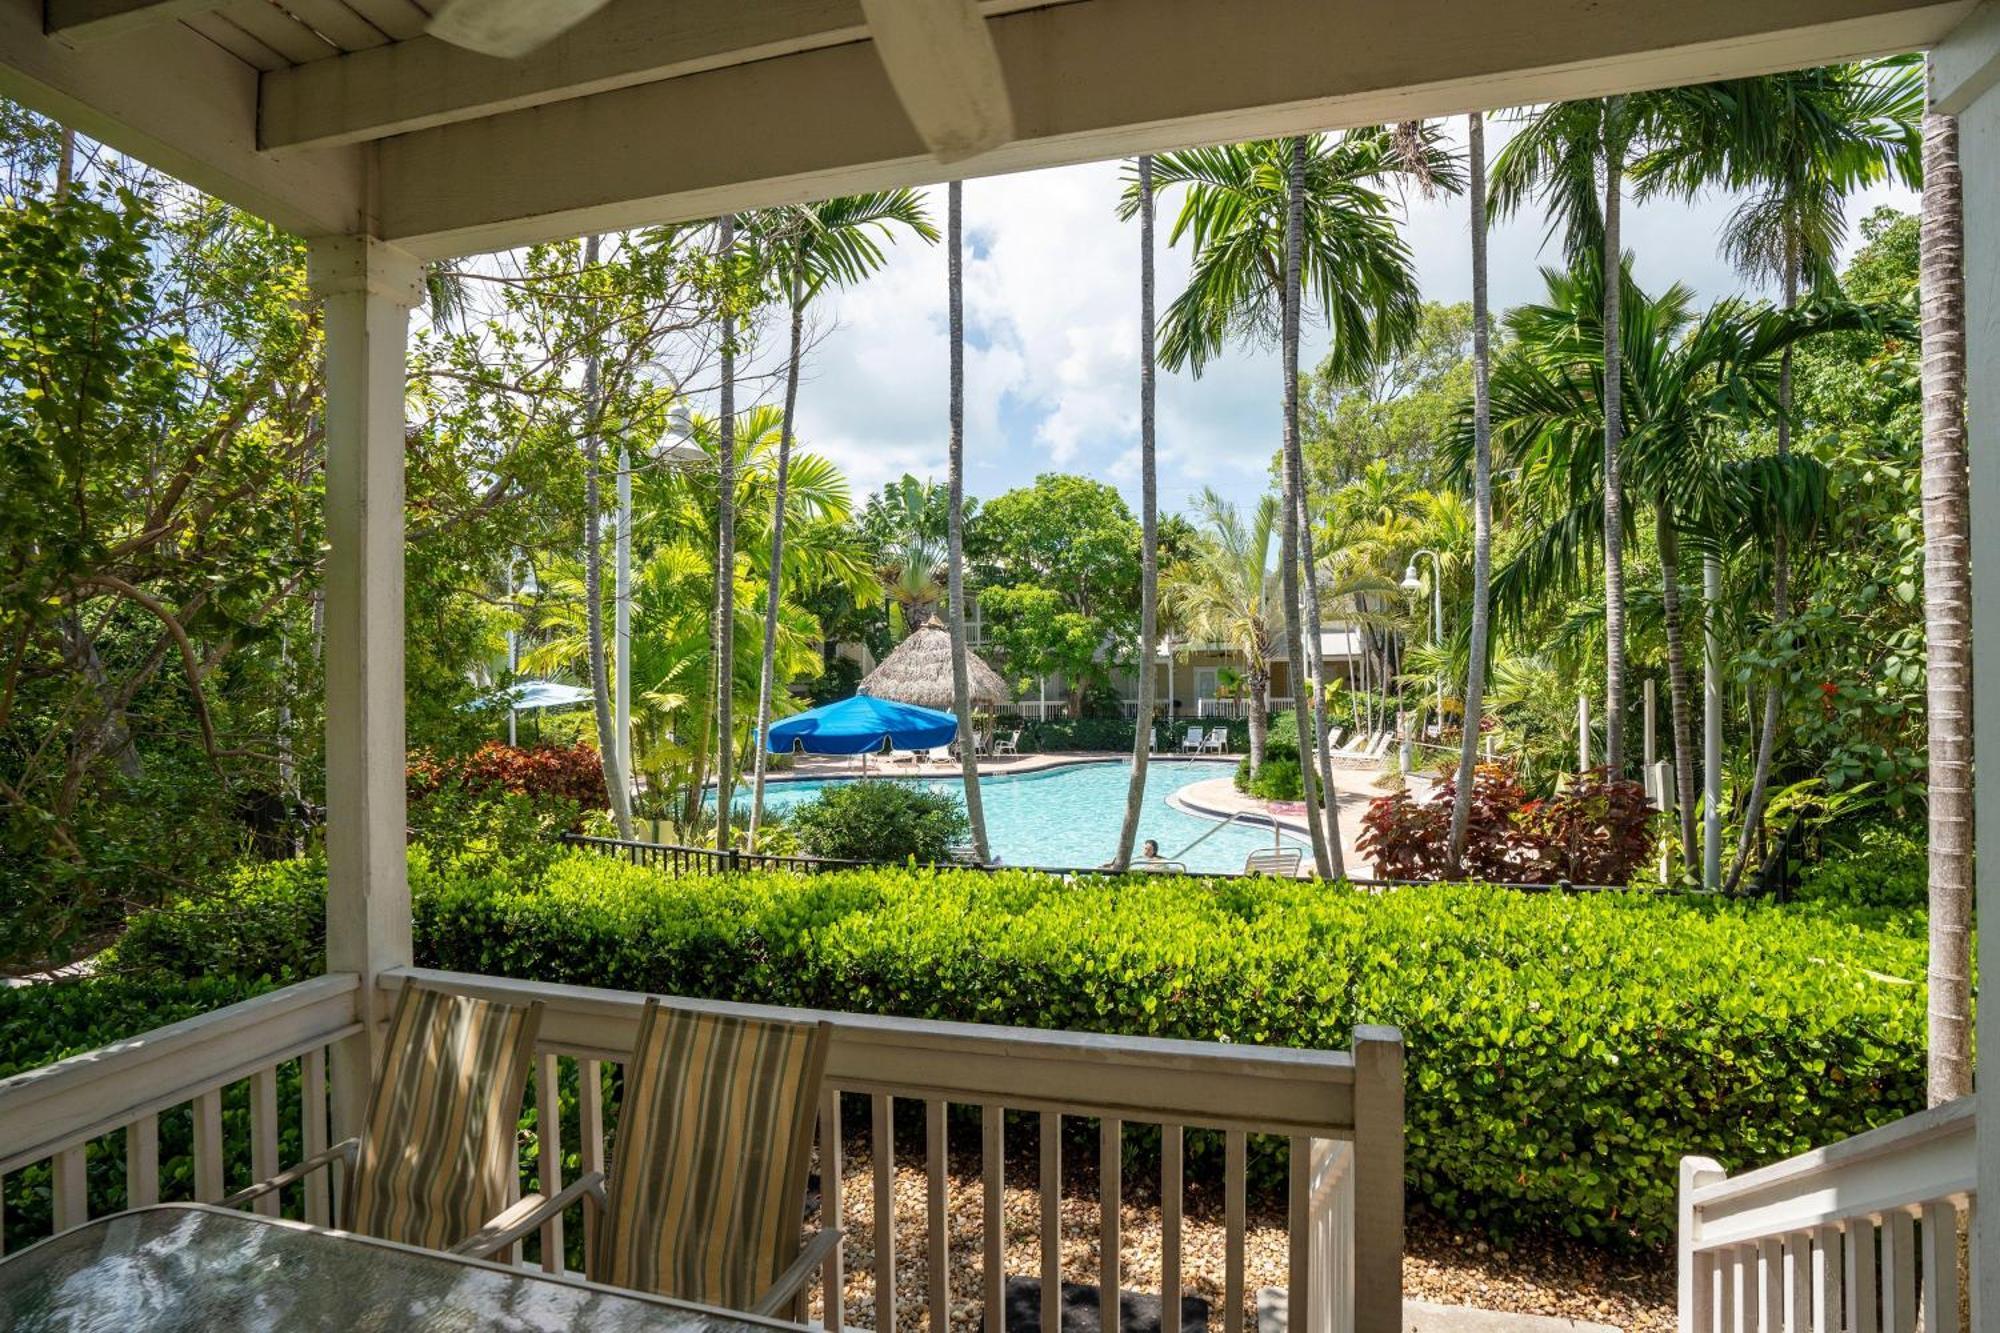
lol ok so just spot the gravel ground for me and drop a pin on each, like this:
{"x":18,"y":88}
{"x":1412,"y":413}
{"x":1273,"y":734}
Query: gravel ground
{"x":1542,"y":1277}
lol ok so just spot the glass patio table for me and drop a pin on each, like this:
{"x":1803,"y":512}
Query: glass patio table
{"x":196,"y":1267}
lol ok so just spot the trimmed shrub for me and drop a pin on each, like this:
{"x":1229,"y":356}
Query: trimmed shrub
{"x":1888,"y":867}
{"x":1563,"y":1050}
{"x":881,"y":821}
{"x":573,"y":773}
{"x":1280,"y":778}
{"x":1597,"y":830}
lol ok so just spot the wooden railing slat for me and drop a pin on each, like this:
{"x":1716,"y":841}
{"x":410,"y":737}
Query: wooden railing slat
{"x":937,"y":1185}
{"x":1940,"y":1262}
{"x":1051,"y":1180}
{"x":1829,"y":1249}
{"x":882,"y":1149}
{"x":993,"y":1212}
{"x":209,"y":1185}
{"x":548,"y":1129}
{"x":1299,"y":1315}
{"x":1858,"y":1256}
{"x":1110,"y":1200}
{"x":313,"y":1137}
{"x":264,"y":1137}
{"x":1234,"y":1213}
{"x":832,"y":1210}
{"x":1899,"y":1274}
{"x":1172,"y":1149}
{"x":70,"y":1189}
{"x":142,"y":1162}
{"x":590,"y":1139}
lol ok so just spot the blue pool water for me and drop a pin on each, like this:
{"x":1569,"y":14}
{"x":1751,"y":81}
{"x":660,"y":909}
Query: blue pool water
{"x":1071,"y":816}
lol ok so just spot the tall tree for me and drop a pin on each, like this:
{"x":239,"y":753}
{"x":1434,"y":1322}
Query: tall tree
{"x":961,"y":673}
{"x":1799,"y":143}
{"x":616,"y":781}
{"x":1294,"y":488}
{"x":725,"y":544}
{"x":1149,"y":529}
{"x":1560,"y":155}
{"x":815,"y":246}
{"x":1947,"y":610}
{"x":1225,"y":593}
{"x":1473,"y":700}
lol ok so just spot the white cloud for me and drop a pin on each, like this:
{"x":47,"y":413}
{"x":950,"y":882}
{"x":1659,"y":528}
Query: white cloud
{"x":1051,"y":301}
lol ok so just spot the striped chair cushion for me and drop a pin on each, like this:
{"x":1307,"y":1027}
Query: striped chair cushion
{"x":706,"y":1196}
{"x":438,"y":1156}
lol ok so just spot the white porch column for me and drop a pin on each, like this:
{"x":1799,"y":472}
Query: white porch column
{"x":1964,"y":74}
{"x":368,"y":289}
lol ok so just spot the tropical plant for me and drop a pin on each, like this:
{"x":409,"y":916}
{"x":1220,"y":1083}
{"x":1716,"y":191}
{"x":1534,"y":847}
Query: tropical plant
{"x":832,"y":243}
{"x":1227,"y":593}
{"x":961,"y":672}
{"x":881,"y":820}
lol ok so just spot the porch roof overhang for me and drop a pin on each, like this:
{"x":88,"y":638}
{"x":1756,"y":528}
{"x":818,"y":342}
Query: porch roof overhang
{"x":342,"y":117}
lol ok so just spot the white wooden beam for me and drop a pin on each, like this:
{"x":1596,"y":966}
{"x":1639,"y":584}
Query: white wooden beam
{"x":941,"y":62}
{"x":368,"y":289}
{"x":1091,"y":80}
{"x":90,"y":20}
{"x":1967,"y":63}
{"x":175,"y":100}
{"x":424,"y":82}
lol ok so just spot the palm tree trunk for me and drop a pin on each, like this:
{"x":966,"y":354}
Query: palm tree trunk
{"x":609,"y":750}
{"x":1315,"y":661}
{"x":1149,"y":529}
{"x":1614,"y":426}
{"x":1781,"y":611}
{"x":1712,"y":704}
{"x":1256,"y":683}
{"x":1474,"y":702}
{"x":725,"y":551}
{"x":1295,"y":226}
{"x":1947,"y":611}
{"x":1677,"y":681}
{"x":774,"y":595}
{"x":961,"y":671}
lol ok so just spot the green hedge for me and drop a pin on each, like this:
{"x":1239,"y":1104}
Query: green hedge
{"x":1888,"y":868}
{"x":1563,"y":1051}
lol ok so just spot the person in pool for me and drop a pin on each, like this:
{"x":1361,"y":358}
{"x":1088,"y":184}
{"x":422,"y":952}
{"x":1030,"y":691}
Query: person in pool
{"x":1148,"y":851}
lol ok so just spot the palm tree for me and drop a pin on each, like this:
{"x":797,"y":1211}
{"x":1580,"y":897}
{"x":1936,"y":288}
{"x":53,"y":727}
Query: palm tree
{"x":1149,"y":529}
{"x":725,"y":548}
{"x":961,"y":674}
{"x":1947,"y":610}
{"x":1472,"y":704}
{"x":1225,"y":593}
{"x":617,"y":782}
{"x":830,"y":243}
{"x":1558,"y":155}
{"x":1800,"y":143}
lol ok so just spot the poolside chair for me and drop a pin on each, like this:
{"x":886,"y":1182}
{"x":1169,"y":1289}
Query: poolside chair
{"x":1191,"y":741}
{"x":1007,"y":744}
{"x":1218,"y":741}
{"x":1159,"y":867}
{"x":435,"y":1159}
{"x":1281,"y":861}
{"x":705,"y":1200}
{"x":1379,"y":746}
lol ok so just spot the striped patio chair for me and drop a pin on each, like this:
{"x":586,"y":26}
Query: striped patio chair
{"x":436,"y":1156}
{"x":705,"y":1200}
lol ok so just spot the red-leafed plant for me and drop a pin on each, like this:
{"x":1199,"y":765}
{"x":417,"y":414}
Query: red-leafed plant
{"x":572,"y":773}
{"x":1598,"y":830}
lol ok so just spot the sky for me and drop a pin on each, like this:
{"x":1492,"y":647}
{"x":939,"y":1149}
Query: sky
{"x":1052,"y":359}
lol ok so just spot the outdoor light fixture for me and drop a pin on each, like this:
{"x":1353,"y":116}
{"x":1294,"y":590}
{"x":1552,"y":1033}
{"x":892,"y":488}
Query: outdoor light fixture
{"x":1411,"y":584}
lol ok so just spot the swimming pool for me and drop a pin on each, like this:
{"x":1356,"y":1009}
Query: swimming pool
{"x":1070,"y":816}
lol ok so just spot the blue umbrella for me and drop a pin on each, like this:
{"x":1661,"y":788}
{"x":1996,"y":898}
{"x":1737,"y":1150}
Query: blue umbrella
{"x":860,"y":725}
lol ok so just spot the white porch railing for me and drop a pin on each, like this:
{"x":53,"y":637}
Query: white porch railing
{"x":1863,"y":1235}
{"x":1338,"y":1115}
{"x":119,"y":1093}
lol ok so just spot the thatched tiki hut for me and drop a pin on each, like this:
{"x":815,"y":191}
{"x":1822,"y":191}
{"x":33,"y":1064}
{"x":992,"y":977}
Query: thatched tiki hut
{"x":918,"y":672}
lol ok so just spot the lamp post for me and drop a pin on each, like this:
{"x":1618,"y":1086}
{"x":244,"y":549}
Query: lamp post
{"x":526,"y":588}
{"x":1412,"y":585}
{"x":676,"y":446}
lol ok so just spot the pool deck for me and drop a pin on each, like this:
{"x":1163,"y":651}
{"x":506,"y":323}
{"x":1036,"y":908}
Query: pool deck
{"x":1215,"y":798}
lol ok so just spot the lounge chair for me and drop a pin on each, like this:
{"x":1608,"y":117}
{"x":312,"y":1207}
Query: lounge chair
{"x":435,"y":1160}
{"x":1380,"y":745}
{"x":1191,"y":741}
{"x":1281,"y":861}
{"x":705,"y":1200}
{"x":1218,"y":741}
{"x":1160,"y":867}
{"x":1007,"y":744}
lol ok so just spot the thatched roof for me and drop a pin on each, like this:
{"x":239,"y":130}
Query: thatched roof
{"x":918,"y":672}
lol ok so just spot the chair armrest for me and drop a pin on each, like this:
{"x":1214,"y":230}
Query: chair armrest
{"x":785,"y":1289}
{"x":344,"y":1151}
{"x":528,"y":1216}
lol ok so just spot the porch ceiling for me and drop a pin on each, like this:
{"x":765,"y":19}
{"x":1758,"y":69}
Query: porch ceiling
{"x":342,"y":116}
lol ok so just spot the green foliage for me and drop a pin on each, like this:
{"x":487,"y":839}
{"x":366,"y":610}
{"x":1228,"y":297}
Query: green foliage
{"x":1563,"y":1051}
{"x":881,"y":820}
{"x":1280,"y":779}
{"x":1888,"y":867}
{"x":265,"y":924}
